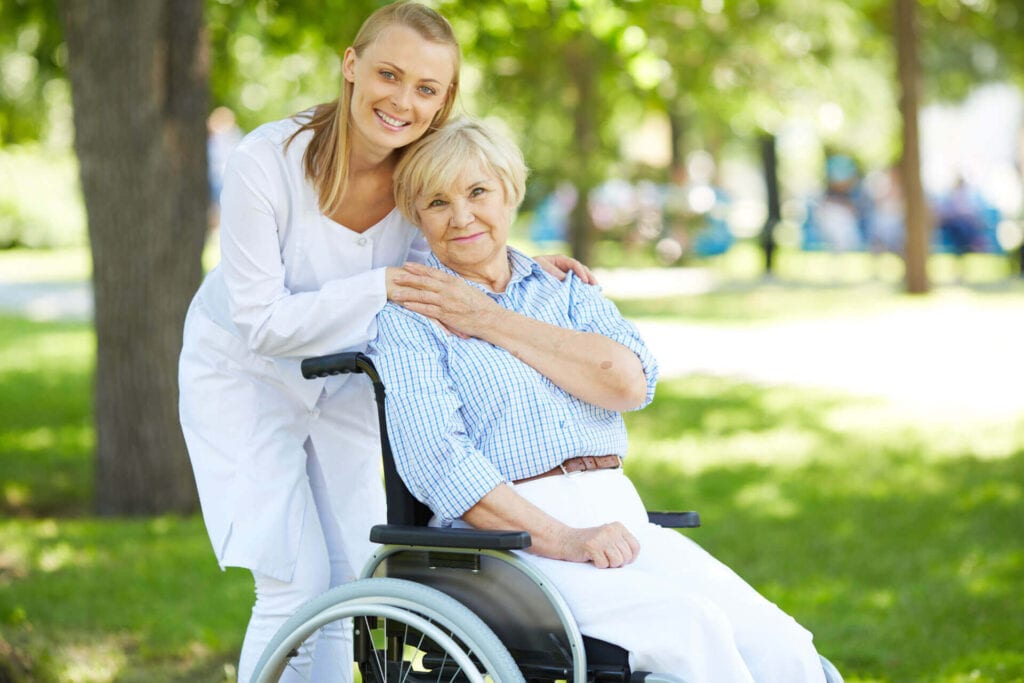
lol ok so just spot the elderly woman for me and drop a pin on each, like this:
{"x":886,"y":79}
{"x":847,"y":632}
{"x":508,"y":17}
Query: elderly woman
{"x":531,"y":436}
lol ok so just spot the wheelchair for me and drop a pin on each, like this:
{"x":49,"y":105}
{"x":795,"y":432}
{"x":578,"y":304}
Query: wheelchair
{"x":450,"y":604}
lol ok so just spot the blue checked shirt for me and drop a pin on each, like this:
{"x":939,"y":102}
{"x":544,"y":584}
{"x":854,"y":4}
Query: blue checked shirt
{"x":465,"y":415}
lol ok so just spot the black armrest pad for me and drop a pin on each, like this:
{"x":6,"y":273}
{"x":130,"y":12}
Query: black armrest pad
{"x":675,"y":520}
{"x":393,"y":534}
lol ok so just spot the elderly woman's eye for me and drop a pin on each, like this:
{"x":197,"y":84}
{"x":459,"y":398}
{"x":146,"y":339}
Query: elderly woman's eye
{"x":434,"y":203}
{"x":477,"y":191}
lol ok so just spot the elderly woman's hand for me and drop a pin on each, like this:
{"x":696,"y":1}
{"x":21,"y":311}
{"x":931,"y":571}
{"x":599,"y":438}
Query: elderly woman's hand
{"x":460,"y":307}
{"x":606,"y":546}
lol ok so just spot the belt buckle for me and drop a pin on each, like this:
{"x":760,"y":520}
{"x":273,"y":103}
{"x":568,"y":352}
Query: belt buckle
{"x":567,"y":473}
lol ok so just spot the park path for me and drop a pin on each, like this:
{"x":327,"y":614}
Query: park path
{"x":951,"y":357}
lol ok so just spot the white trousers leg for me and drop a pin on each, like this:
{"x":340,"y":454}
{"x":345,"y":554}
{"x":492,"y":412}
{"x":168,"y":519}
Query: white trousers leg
{"x":346,"y":498}
{"x":676,"y":608}
{"x":277,"y":600}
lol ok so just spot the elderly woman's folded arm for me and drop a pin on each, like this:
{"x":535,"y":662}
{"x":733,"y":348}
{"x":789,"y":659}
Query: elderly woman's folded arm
{"x":608,"y":545}
{"x":588,"y":365}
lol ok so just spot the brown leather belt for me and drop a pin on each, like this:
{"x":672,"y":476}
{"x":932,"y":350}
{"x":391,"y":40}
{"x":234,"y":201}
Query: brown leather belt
{"x":583,"y":463}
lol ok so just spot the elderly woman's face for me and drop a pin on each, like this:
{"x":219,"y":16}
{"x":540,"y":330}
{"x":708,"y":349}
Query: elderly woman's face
{"x":467,"y":224}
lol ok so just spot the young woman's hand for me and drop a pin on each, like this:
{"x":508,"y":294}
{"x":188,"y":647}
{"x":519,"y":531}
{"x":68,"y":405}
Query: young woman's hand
{"x":559,"y":265}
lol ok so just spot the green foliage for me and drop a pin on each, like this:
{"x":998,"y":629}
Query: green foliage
{"x":274,"y":58}
{"x":34,"y":102}
{"x":40,"y":199}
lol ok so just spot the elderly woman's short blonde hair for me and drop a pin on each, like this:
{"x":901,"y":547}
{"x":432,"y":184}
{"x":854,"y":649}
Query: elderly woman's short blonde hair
{"x":431,"y":165}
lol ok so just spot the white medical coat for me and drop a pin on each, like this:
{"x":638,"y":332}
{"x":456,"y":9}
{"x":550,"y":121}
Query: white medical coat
{"x":291,"y":284}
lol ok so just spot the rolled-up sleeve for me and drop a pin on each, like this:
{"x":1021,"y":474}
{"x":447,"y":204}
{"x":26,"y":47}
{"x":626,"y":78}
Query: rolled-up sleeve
{"x":433,"y":453}
{"x":590,"y":311}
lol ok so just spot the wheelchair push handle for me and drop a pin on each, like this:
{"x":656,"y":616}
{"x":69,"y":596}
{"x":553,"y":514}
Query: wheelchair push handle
{"x":339,"y":364}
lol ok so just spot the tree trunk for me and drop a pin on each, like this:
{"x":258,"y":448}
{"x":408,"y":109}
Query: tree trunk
{"x":580,"y":64}
{"x":138,"y":75}
{"x":770,"y":166}
{"x":917,"y":218}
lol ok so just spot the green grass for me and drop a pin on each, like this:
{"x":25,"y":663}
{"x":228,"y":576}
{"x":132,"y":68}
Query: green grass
{"x":897,"y":543}
{"x":896,"y":539}
{"x":46,"y":438}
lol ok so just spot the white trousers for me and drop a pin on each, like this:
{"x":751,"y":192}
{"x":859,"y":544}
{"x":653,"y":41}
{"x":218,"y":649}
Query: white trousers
{"x":676,"y":609}
{"x":332,"y":550}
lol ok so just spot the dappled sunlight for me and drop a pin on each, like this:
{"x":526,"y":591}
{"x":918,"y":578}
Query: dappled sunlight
{"x":767,"y":499}
{"x":1003,"y":493}
{"x":992,"y":574}
{"x":99,"y":662}
{"x":47,"y":438}
{"x":63,"y":346}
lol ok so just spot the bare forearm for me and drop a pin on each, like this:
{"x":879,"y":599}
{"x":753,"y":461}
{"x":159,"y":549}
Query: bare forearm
{"x":587,"y":365}
{"x":504,"y":509}
{"x":608,"y":545}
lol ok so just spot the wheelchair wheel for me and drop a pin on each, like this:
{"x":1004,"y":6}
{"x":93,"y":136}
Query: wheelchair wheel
{"x":403,"y":631}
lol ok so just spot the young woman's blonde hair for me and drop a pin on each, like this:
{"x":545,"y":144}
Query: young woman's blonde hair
{"x":326,"y":158}
{"x":432,"y":164}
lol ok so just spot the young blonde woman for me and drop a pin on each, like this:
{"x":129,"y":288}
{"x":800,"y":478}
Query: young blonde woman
{"x":311,"y":250}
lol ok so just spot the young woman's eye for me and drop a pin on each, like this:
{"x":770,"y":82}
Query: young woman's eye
{"x":388,"y":75}
{"x":427,"y":90}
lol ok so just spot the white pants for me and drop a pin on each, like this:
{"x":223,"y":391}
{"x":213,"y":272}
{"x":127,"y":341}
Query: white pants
{"x":676,"y":609}
{"x":328,"y":557}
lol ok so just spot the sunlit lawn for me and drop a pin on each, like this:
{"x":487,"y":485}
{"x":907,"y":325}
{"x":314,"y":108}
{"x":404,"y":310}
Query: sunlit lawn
{"x":897,"y":540}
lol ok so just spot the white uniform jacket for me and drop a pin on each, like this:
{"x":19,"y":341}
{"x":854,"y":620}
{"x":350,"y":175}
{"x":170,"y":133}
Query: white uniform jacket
{"x":292,"y":283}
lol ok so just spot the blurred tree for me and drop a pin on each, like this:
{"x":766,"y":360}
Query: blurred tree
{"x":273,"y":58}
{"x":139,"y":84}
{"x":916,"y":216}
{"x":32,"y":60}
{"x":557,"y":73}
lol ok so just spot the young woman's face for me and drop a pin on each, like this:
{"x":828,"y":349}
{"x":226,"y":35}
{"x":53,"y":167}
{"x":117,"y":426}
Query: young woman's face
{"x":467,"y":225}
{"x":400,"y":82}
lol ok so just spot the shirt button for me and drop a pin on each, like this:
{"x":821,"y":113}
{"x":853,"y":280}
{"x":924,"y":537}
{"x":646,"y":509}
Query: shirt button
{"x":314,"y":413}
{"x":361,"y":241}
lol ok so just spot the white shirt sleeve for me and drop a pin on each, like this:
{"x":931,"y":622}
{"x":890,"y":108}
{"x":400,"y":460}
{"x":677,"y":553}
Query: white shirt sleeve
{"x":420,"y":250}
{"x":273,"y":320}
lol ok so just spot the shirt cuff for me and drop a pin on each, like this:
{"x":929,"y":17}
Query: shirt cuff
{"x":472,"y":478}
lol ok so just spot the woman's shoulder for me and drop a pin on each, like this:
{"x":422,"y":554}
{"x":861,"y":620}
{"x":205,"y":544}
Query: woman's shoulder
{"x":273,"y":137}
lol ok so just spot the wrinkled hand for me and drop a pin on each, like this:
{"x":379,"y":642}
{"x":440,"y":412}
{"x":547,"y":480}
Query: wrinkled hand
{"x":458,"y":306}
{"x":606,"y":546}
{"x":559,"y":265}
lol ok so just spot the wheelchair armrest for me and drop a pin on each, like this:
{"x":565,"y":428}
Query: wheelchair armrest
{"x":675,"y":520}
{"x":396,"y":534}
